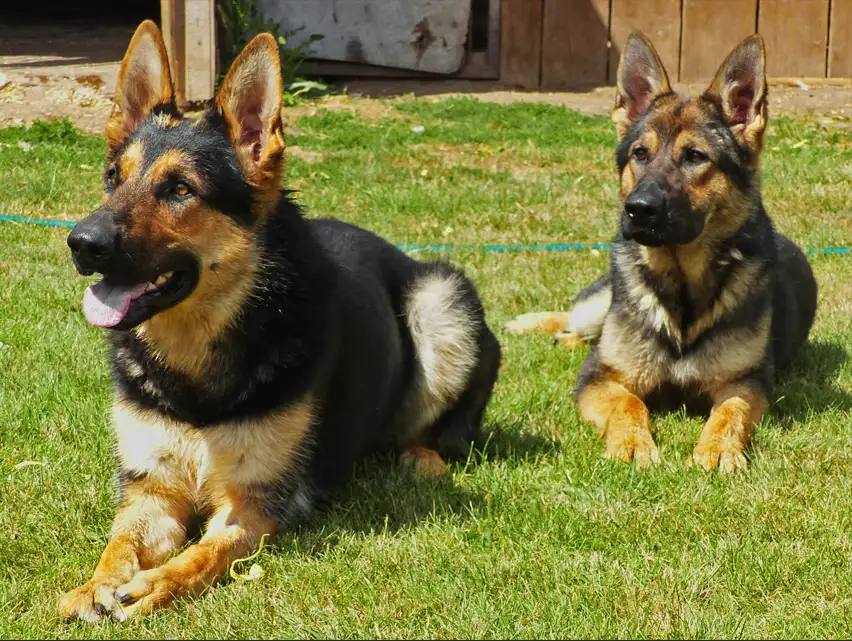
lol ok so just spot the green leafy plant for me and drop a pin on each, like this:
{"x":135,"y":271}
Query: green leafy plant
{"x":240,"y":21}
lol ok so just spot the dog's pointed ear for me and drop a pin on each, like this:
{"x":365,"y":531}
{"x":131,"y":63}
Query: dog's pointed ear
{"x":739,"y":89}
{"x":641,"y":78}
{"x":144,"y":82}
{"x":250,"y":102}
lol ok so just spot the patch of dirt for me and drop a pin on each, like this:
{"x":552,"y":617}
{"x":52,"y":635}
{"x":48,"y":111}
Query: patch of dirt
{"x":832,"y":97}
{"x":54,"y":71}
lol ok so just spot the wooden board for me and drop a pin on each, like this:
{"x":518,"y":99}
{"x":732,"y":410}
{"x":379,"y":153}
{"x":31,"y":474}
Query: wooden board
{"x":840,"y":40}
{"x":200,"y":55}
{"x":172,"y":15}
{"x":574,"y":43}
{"x":520,"y":43}
{"x":422,"y":35}
{"x":795,"y":32}
{"x":711,"y":29}
{"x":659,"y":20}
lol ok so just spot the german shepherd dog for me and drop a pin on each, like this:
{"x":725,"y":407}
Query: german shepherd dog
{"x":704,"y":300}
{"x":256,"y":355}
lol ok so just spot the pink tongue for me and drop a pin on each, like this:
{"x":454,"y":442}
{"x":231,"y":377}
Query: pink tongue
{"x":106,"y":305}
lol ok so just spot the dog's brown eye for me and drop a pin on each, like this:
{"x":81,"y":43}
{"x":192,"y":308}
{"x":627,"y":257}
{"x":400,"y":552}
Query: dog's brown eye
{"x":181,"y":190}
{"x":640,"y":154}
{"x":695,"y":157}
{"x":112,"y":177}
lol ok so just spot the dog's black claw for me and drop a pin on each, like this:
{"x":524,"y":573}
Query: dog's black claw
{"x":123,"y":598}
{"x":100,"y":609}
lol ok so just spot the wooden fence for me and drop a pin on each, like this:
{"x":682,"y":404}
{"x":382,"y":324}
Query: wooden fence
{"x":564,"y":44}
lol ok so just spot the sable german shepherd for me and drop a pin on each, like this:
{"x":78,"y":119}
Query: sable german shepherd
{"x":704,"y":299}
{"x":256,"y":355}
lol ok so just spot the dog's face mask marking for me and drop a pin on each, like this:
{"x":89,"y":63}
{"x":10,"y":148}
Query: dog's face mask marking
{"x":684,"y":163}
{"x":181,"y":196}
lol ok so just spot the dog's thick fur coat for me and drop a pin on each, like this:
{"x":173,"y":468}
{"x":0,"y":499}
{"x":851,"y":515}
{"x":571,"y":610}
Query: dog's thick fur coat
{"x":267,"y":353}
{"x":704,"y":300}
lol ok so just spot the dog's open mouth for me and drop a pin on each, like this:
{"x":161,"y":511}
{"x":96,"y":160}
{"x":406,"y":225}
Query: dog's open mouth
{"x":120,"y":306}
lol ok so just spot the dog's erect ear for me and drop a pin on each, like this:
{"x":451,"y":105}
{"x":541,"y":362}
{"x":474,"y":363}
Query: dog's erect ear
{"x":144,"y":82}
{"x":250,"y":102}
{"x":641,"y":78}
{"x":739,"y":88}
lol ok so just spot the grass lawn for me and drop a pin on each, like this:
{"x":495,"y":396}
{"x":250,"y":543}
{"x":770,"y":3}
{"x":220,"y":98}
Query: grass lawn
{"x":543,"y":538}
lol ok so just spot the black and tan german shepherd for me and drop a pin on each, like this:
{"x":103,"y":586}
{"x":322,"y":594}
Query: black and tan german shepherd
{"x":704,"y":299}
{"x":256,"y":355}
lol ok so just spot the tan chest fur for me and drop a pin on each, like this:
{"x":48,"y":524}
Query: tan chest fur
{"x":213,"y":460}
{"x":644,"y":365}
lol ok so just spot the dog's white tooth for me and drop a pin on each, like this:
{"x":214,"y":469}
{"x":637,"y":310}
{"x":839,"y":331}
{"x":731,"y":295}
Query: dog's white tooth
{"x":150,"y":287}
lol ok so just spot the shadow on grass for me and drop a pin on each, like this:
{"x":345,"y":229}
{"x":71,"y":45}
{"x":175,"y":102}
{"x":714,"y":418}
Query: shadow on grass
{"x":386,"y":497}
{"x":809,"y":386}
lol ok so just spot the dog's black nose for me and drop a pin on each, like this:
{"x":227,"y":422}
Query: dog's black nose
{"x":93,"y":242}
{"x":646,"y":203}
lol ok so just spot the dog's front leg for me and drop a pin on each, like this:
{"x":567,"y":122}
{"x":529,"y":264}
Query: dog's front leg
{"x":149,"y":526}
{"x":737,"y":407}
{"x":622,"y":419}
{"x":235,"y":530}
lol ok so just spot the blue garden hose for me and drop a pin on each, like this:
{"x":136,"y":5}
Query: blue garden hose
{"x":494,"y":249}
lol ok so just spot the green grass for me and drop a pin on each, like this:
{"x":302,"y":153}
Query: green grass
{"x":542,"y":538}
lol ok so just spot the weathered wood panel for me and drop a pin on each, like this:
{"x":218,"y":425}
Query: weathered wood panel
{"x":659,"y":20}
{"x":200,"y":65}
{"x":172,"y":15}
{"x":711,"y":29}
{"x":574,"y":43}
{"x":425,"y":35}
{"x":520,"y":42}
{"x":795,"y":32}
{"x":840,"y":40}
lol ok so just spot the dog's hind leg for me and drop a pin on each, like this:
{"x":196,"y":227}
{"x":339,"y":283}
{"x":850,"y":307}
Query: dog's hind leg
{"x":456,"y":362}
{"x":539,"y":323}
{"x":581,"y":325}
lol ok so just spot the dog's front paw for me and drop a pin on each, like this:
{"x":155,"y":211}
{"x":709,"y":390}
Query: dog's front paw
{"x":89,"y":602}
{"x":722,"y":455}
{"x":148,"y":590}
{"x":538,"y":322}
{"x":424,"y":461}
{"x":568,"y":340}
{"x":632,"y":444}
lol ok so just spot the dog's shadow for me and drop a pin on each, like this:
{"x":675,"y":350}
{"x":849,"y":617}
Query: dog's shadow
{"x":809,"y":386}
{"x":386,"y":497}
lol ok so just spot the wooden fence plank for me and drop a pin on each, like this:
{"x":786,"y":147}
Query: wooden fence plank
{"x":574,"y":43}
{"x":711,"y":29}
{"x":795,"y":32}
{"x":657,"y":19}
{"x":200,"y":53}
{"x":840,"y":40}
{"x":520,"y":42}
{"x":172,"y":17}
